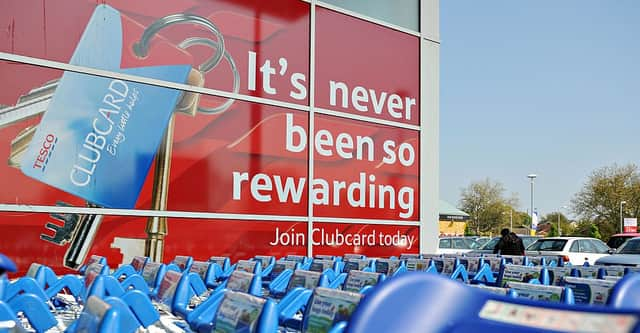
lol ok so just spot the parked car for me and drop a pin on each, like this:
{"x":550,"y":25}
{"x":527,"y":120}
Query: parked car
{"x":576,"y":250}
{"x":618,"y":239}
{"x":456,"y":245}
{"x":490,"y":245}
{"x":481,"y":240}
{"x":627,"y":255}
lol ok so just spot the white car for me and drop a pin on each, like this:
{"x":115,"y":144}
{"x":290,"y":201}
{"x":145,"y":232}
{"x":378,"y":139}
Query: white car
{"x":455,"y":245}
{"x":576,"y":250}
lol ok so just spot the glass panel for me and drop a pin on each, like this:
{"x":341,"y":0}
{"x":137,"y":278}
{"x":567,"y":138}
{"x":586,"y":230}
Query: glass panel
{"x":599,"y":246}
{"x":367,"y":239}
{"x":460,"y":244}
{"x":445,"y":244}
{"x":121,"y":238}
{"x":404,"y":13}
{"x":631,"y":247}
{"x":254,"y":47}
{"x":364,"y":170}
{"x":575,"y":247}
{"x":549,"y":245}
{"x":98,"y":138}
{"x":471,"y":244}
{"x":491,"y":244}
{"x":616,"y":241}
{"x":365,"y":69}
{"x":586,"y":246}
{"x":526,"y":241}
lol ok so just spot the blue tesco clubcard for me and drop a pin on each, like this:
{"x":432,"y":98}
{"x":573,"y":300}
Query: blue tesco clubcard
{"x":99,"y":136}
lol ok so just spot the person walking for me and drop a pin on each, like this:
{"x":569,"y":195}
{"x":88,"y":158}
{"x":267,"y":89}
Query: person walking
{"x":509,"y":244}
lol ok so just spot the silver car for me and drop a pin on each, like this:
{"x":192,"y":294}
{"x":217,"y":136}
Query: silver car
{"x":453,"y":245}
{"x":627,"y":255}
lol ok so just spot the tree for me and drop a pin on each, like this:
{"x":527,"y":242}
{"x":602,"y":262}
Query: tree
{"x":468,"y":231}
{"x":525,"y":219}
{"x":594,"y":232}
{"x":553,"y":231}
{"x":566,"y":228}
{"x":485,"y":203}
{"x":599,"y":200}
{"x":582,"y":229}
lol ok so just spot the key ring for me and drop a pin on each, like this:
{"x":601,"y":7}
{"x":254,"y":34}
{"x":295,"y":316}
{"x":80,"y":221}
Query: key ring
{"x":236,"y":75}
{"x":141,"y":48}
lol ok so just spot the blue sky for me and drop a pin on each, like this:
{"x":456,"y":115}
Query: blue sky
{"x":547,"y":87}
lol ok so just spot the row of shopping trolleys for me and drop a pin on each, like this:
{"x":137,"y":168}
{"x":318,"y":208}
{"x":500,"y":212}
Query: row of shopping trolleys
{"x":187,"y":294}
{"x":265,"y":294}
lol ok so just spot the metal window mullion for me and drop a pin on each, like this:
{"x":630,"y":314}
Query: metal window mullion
{"x":311,"y":127}
{"x":18,"y":208}
{"x":347,"y":220}
{"x":145,"y":80}
{"x":367,"y":119}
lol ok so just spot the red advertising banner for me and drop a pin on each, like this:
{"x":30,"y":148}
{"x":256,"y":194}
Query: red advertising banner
{"x":369,"y":239}
{"x":120,"y":238}
{"x":365,"y":170}
{"x":366,"y":69}
{"x":73,"y":139}
{"x":237,"y":164}
{"x":630,"y":224}
{"x":255,"y":47}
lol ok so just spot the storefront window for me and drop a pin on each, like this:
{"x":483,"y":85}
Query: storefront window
{"x":404,"y":13}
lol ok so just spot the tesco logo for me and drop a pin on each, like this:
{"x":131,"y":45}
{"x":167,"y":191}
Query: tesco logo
{"x":46,"y":149}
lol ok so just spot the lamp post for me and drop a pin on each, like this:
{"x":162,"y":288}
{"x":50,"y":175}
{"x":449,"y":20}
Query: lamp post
{"x":532,"y":177}
{"x":622,"y":203}
{"x":559,"y":212}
